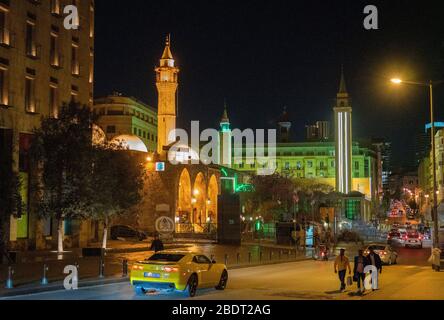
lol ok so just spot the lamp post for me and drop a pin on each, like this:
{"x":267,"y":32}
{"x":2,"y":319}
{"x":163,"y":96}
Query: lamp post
{"x":430,"y":85}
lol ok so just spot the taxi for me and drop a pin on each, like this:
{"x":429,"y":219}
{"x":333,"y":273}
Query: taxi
{"x":170,"y":271}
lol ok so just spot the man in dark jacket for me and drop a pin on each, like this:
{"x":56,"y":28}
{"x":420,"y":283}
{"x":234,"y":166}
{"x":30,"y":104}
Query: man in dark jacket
{"x":374,"y":259}
{"x":157,"y":244}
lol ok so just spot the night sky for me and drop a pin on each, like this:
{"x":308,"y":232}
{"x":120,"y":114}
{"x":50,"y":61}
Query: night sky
{"x":264,"y":55}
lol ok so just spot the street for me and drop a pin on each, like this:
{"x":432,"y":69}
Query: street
{"x":412,"y":278}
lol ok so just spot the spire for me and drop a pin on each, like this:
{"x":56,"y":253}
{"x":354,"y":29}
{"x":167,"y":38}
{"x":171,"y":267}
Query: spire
{"x":342,"y":87}
{"x":225,"y":118}
{"x":167,"y":51}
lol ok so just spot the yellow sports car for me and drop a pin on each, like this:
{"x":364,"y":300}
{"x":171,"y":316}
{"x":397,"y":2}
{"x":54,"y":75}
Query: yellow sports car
{"x":178,"y":271}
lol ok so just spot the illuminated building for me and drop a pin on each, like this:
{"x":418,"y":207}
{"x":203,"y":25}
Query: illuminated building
{"x":225,"y":140}
{"x":343,"y":139}
{"x":120,"y":115}
{"x":167,"y":84}
{"x":42,"y":66}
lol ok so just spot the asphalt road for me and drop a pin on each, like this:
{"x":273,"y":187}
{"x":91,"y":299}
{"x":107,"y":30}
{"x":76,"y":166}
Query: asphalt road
{"x":412,"y":278}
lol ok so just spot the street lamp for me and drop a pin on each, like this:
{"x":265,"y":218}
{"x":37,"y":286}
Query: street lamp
{"x":430,"y":85}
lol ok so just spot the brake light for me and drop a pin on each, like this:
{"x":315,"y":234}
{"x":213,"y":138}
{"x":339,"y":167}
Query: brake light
{"x":384,"y":253}
{"x":170,"y":269}
{"x":137,"y":267}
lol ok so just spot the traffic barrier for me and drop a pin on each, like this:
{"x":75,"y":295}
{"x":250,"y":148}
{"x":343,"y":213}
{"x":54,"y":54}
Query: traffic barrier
{"x":44,"y":281}
{"x":226,"y":259}
{"x":249,"y":257}
{"x":238,"y":258}
{"x":9,"y":282}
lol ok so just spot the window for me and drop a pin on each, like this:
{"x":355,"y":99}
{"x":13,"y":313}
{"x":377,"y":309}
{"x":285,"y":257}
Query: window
{"x":55,"y":7}
{"x":321,"y":165}
{"x":4,"y":92}
{"x":252,"y":166}
{"x":4,"y":31}
{"x":310,"y":164}
{"x":356,"y":165}
{"x":332,"y":164}
{"x":54,"y":53}
{"x":135,"y":131}
{"x":140,"y":133}
{"x":53,"y":101}
{"x":31,"y":46}
{"x":111,"y":129}
{"x":201,"y":259}
{"x":299,"y":165}
{"x":287,"y":165}
{"x":144,"y":135}
{"x":30,"y":105}
{"x":75,"y":66}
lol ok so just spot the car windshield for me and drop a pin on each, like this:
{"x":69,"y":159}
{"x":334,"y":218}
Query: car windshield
{"x":376,"y":247}
{"x":167,"y":257}
{"x":413,"y":235}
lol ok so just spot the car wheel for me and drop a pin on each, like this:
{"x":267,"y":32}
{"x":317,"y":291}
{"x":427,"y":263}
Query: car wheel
{"x":139,"y":290}
{"x":192,"y":285}
{"x":223,"y":281}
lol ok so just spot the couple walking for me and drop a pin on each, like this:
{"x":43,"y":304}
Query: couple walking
{"x":342,"y":264}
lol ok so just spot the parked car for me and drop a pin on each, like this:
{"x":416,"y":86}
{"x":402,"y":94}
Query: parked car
{"x":121,"y":231}
{"x":414,"y":239}
{"x":387,"y":254}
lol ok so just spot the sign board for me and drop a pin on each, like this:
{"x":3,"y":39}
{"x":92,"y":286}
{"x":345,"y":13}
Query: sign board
{"x":164,"y":225}
{"x":160,"y":166}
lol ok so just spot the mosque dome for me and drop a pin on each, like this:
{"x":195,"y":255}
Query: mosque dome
{"x":130,"y":142}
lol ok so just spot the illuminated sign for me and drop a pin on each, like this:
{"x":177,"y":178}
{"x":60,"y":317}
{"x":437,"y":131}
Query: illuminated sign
{"x":160,"y":166}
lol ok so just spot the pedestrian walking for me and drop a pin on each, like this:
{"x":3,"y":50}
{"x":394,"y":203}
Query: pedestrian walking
{"x":375,"y":260}
{"x":358,"y":270}
{"x":157,"y":244}
{"x":341,"y":265}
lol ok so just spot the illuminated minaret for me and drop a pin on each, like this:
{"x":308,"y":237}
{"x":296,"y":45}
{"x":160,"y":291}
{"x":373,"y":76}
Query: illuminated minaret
{"x":225,"y":140}
{"x":166,"y":83}
{"x":343,"y":139}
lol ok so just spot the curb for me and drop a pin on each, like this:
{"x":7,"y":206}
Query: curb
{"x":59,"y":286}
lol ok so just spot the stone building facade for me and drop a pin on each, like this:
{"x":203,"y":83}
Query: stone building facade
{"x":42,"y":66}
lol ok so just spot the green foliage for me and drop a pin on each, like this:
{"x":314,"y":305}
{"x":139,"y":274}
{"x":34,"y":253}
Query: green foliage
{"x":115,"y":182}
{"x":62,"y":150}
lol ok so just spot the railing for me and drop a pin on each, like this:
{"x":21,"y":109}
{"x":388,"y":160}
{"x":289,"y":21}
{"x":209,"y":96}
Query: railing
{"x":204,"y":228}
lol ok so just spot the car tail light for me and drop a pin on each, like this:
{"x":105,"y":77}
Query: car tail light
{"x":384,"y":253}
{"x":137,"y":267}
{"x":170,"y":269}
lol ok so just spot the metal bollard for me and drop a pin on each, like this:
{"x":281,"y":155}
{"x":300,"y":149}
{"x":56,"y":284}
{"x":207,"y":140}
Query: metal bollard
{"x":249,"y":257}
{"x":271,"y":256}
{"x":226,"y":259}
{"x":9,"y":282}
{"x":238,"y":258}
{"x":44,"y":281}
{"x":260,"y":256}
{"x":280,"y":254}
{"x":102,"y":268}
{"x":124,"y":268}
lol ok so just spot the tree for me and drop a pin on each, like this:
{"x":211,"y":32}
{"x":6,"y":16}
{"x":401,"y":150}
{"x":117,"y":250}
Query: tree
{"x":115,"y":184}
{"x":62,"y":151}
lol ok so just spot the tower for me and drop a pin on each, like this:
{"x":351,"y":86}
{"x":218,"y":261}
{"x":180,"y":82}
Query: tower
{"x":167,"y":84}
{"x":284,"y":126}
{"x":225,"y":139}
{"x":343,"y":139}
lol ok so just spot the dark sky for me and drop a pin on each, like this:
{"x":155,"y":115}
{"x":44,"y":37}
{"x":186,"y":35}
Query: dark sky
{"x":264,"y":55}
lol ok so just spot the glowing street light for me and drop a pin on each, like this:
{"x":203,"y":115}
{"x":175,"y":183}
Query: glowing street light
{"x":429,"y":85}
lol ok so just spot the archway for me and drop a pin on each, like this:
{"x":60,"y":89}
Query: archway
{"x":198,"y":201}
{"x":184,"y":206}
{"x":213,"y":191}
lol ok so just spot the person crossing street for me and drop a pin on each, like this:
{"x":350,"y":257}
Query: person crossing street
{"x":341,"y":265}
